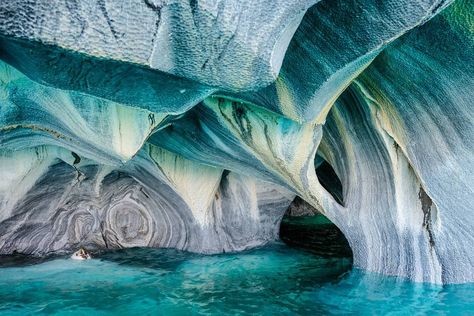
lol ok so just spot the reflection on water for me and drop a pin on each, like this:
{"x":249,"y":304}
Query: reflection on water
{"x":275,"y":279}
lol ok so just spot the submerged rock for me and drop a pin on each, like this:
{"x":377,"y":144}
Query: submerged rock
{"x":81,"y":254}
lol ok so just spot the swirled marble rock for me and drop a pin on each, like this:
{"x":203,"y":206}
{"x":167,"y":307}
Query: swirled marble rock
{"x":194,"y":125}
{"x":157,"y":200}
{"x":314,"y":75}
{"x":33,"y":113}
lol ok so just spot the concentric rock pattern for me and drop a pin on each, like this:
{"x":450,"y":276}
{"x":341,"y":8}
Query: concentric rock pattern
{"x":194,"y":125}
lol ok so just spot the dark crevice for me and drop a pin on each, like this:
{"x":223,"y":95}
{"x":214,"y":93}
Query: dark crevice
{"x":330,"y":181}
{"x":105,"y":13}
{"x":77,"y":159}
{"x":426,"y":204}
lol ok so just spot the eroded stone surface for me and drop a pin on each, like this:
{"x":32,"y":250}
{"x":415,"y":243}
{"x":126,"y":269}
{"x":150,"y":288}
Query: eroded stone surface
{"x":382,"y":92}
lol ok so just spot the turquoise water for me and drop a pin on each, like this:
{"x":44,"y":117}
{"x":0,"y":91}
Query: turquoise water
{"x":275,"y":279}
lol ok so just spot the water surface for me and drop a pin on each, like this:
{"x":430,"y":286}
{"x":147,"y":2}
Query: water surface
{"x":275,"y":279}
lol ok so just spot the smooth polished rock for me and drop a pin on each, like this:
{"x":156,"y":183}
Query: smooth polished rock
{"x":231,"y":44}
{"x":104,"y":145}
{"x":157,"y":200}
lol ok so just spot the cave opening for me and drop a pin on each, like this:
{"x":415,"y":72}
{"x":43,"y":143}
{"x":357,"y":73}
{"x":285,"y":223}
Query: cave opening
{"x":305,"y":227}
{"x":329,"y":179}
